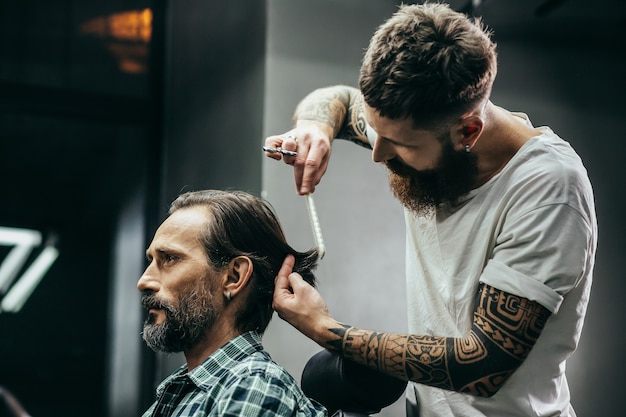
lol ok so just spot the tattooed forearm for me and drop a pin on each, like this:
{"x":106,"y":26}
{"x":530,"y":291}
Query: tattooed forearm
{"x":337,"y":344}
{"x":326,"y":105}
{"x":505,"y":329}
{"x":339,"y":107}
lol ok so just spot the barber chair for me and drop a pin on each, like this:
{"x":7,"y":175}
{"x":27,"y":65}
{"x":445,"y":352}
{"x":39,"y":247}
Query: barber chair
{"x":346,"y":388}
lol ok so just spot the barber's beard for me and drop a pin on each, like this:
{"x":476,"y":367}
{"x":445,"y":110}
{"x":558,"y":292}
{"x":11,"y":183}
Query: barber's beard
{"x":422,"y":191}
{"x":185,"y":324}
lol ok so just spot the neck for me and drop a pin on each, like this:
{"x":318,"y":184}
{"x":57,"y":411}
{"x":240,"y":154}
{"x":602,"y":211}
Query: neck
{"x":217,"y":336}
{"x":503,"y":135}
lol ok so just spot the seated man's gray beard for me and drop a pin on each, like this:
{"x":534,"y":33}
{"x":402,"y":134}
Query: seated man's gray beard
{"x":422,"y":191}
{"x":185,"y":324}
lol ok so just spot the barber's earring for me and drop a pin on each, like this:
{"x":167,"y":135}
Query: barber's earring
{"x":229,"y":296}
{"x":467,"y":149}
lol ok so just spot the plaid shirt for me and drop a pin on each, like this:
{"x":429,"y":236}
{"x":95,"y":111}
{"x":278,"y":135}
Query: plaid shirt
{"x":238,"y":379}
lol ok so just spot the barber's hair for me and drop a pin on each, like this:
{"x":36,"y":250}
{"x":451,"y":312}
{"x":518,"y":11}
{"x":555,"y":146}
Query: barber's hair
{"x":241,"y":224}
{"x":428,"y":62}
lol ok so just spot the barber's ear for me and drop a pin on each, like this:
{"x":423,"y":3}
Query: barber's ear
{"x":467,"y":131}
{"x":237,"y":276}
{"x":470,"y":130}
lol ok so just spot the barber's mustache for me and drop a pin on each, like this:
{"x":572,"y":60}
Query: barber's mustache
{"x":397,"y":167}
{"x":401,"y":169}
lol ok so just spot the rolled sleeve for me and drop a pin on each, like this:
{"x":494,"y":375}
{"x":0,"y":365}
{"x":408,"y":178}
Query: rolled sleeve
{"x":520,"y":284}
{"x":541,"y":255}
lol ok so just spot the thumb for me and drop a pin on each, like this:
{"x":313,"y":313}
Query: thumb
{"x":282,"y":278}
{"x":297,"y":283}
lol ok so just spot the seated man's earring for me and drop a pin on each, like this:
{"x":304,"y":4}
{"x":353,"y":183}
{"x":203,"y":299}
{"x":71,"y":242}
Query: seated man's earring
{"x":229,"y":296}
{"x":467,"y":148}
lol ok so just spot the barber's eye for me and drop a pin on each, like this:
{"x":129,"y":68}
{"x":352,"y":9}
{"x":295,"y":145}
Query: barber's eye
{"x":169,"y":258}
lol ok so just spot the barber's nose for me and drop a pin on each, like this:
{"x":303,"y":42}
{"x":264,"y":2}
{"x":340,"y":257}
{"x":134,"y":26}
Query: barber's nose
{"x":383,"y":151}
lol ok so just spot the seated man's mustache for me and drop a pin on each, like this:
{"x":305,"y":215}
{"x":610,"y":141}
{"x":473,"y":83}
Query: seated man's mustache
{"x":150,"y":301}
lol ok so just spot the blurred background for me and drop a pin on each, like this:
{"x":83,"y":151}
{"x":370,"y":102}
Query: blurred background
{"x":108,"y":110}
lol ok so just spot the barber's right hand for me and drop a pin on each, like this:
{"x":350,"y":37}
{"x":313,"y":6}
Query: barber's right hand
{"x":312,"y":141}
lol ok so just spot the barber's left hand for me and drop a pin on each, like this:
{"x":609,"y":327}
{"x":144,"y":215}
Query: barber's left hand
{"x":300,"y":304}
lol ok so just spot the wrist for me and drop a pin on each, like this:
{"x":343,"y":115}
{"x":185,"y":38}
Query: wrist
{"x":330,"y":334}
{"x":321,"y":128}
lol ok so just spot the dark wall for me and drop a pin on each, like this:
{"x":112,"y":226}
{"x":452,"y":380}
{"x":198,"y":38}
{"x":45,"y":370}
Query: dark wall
{"x":74,"y":127}
{"x":214,"y":80}
{"x":108,"y":110}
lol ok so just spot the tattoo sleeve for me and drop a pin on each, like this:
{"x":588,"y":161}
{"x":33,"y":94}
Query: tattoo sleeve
{"x":341,"y":108}
{"x":504,"y":330}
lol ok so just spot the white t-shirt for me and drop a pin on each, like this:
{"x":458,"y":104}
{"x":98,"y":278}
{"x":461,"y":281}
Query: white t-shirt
{"x":530,"y":231}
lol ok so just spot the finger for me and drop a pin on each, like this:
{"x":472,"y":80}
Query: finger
{"x":313,"y":169}
{"x":282,"y":278}
{"x":292,"y":143}
{"x":289,"y":143}
{"x":298,"y":169}
{"x":287,"y":293}
{"x":274,"y":142}
{"x":297,"y":283}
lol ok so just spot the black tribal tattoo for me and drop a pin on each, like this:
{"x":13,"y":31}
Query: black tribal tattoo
{"x":504,"y":330}
{"x":355,"y":126}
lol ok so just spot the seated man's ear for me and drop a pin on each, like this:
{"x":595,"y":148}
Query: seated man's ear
{"x":236,"y":276}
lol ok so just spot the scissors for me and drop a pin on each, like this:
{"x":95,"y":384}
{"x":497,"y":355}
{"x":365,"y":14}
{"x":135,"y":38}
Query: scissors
{"x":279,"y":150}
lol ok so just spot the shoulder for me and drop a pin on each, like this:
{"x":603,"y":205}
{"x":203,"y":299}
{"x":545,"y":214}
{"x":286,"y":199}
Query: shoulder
{"x":258,"y":384}
{"x":547,"y":171}
{"x":261,"y":366}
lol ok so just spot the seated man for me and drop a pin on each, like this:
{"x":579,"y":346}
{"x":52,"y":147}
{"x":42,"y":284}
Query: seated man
{"x":208,"y":289}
